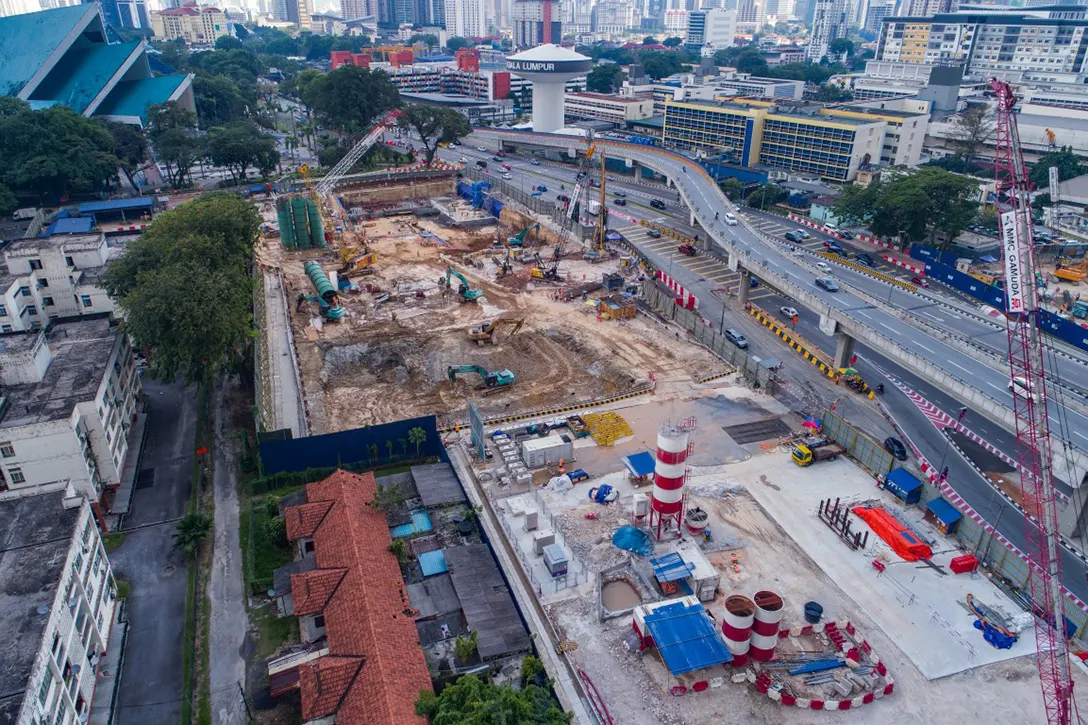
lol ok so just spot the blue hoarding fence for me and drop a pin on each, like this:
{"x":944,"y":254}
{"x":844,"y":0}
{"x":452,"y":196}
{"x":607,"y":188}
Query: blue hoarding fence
{"x":937,"y":267}
{"x":372,"y":446}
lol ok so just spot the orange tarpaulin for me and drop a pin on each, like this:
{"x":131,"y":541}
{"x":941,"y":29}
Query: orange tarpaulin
{"x":898,"y":536}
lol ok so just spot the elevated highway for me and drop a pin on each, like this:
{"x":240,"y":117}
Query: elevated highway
{"x":864,"y":309}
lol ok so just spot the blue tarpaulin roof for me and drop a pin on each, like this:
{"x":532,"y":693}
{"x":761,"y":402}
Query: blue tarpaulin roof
{"x":904,"y":479}
{"x":433,"y":562}
{"x":944,"y":511}
{"x":139,"y":202}
{"x":686,"y":638}
{"x":640,"y":464}
{"x":671,"y":567}
{"x":70,"y":225}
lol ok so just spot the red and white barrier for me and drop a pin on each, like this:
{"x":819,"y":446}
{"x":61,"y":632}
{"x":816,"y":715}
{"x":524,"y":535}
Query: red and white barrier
{"x":838,"y":235}
{"x":851,"y":647}
{"x":685,"y":299}
{"x":905,"y":265}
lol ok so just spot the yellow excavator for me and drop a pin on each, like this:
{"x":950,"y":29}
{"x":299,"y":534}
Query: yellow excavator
{"x":1071,"y":272}
{"x":486,"y":332}
{"x":357,"y":260}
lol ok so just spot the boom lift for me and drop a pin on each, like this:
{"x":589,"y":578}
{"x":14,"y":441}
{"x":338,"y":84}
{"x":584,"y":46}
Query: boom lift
{"x":497,"y":379}
{"x":486,"y":332}
{"x":1032,"y":419}
{"x":465,"y":291}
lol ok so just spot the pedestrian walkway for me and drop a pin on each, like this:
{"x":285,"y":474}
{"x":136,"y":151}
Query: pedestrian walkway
{"x":108,"y":675}
{"x":122,"y":498}
{"x":286,"y":396}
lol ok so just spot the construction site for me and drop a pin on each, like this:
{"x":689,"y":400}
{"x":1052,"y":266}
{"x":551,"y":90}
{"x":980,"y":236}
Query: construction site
{"x":684,"y":547}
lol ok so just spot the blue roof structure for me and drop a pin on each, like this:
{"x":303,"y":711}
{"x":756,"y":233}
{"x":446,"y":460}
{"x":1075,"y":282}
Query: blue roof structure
{"x":65,"y":56}
{"x":138,"y":202}
{"x":433,"y":562}
{"x":944,"y":511}
{"x":70,"y":225}
{"x":904,"y":479}
{"x":640,"y":464}
{"x":671,"y":567}
{"x":686,"y":639}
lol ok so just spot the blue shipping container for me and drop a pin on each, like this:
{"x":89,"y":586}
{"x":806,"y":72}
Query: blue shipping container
{"x":904,"y":485}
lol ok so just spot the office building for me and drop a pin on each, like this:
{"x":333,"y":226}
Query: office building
{"x":714,"y":29}
{"x":125,"y":14}
{"x":676,"y":23}
{"x":66,"y":58}
{"x":356,"y":9}
{"x":615,"y":17}
{"x":750,"y":15}
{"x":750,"y":87}
{"x":296,"y":12}
{"x":904,"y":132}
{"x":759,"y":134}
{"x":829,"y":23}
{"x":59,"y":600}
{"x":924,"y":8}
{"x":536,"y":22}
{"x":875,"y":15}
{"x":466,"y":18}
{"x":616,"y":109}
{"x":191,"y":23}
{"x":464,"y":76}
{"x":783,"y":55}
{"x":1048,"y":44}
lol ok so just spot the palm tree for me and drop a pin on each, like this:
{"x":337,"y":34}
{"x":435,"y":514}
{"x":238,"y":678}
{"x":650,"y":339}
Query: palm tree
{"x":418,"y":436}
{"x":191,"y":530}
{"x":389,"y":447}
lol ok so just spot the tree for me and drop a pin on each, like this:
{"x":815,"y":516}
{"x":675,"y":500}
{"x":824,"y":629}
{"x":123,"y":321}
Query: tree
{"x":660,"y":64}
{"x":175,"y":53}
{"x":971,"y":129}
{"x":418,"y":436}
{"x":218,"y":100}
{"x":191,"y":530}
{"x":8,"y":201}
{"x":398,"y":550}
{"x":533,"y":672}
{"x":176,"y":144}
{"x":434,"y":125}
{"x":766,"y":195}
{"x":389,"y":450}
{"x":649,"y":40}
{"x":241,"y":145}
{"x":672,"y":42}
{"x":828,"y":93}
{"x":465,"y":647}
{"x":840,"y":47}
{"x":387,"y":498}
{"x":473,"y":701}
{"x":1068,"y":164}
{"x":732,"y":188}
{"x":604,"y":78}
{"x":129,"y":146}
{"x":183,"y":287}
{"x":54,"y":152}
{"x":855,"y":204}
{"x":350,"y":98}
{"x":227,"y":42}
{"x":428,"y":39}
{"x":455,"y":43}
{"x":987,"y":218}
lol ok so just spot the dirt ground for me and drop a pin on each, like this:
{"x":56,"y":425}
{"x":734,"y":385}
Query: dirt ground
{"x":388,"y":358}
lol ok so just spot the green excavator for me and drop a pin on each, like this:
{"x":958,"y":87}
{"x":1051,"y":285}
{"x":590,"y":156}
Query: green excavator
{"x":465,"y":291}
{"x":518,"y":239}
{"x":497,"y":379}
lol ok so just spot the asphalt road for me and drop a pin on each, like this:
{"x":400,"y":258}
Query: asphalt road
{"x":796,"y":266}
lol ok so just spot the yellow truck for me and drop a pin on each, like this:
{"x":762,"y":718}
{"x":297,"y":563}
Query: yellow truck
{"x":805,"y":454}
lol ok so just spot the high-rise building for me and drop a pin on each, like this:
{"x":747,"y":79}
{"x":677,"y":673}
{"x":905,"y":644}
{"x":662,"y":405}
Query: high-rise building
{"x":614,"y":17}
{"x":194,"y":25}
{"x":923,"y":8}
{"x":750,"y":14}
{"x":355,"y":9}
{"x":466,"y":18}
{"x":1047,"y":44}
{"x":829,"y":23}
{"x":676,"y":23}
{"x":536,"y":22}
{"x":876,"y":14}
{"x":714,"y":28}
{"x":17,"y":7}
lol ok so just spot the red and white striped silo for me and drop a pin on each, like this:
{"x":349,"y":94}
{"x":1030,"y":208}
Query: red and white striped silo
{"x":737,"y":621}
{"x":670,"y":473}
{"x":768,"y":617}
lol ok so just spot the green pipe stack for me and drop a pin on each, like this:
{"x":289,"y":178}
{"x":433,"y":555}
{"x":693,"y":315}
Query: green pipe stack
{"x":300,"y":223}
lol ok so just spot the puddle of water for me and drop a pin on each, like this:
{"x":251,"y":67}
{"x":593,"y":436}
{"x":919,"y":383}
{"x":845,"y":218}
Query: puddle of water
{"x":619,"y":595}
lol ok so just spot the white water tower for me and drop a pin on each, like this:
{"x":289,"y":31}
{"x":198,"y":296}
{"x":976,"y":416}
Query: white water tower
{"x":548,"y":67}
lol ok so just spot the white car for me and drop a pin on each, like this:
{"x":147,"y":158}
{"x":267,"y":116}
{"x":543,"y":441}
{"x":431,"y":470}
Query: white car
{"x":831,"y":227}
{"x":507,"y":176}
{"x":789,"y":312}
{"x":1021,"y":386}
{"x":823,"y":266}
{"x":730,"y":219}
{"x":481,"y":148}
{"x":464,"y":160}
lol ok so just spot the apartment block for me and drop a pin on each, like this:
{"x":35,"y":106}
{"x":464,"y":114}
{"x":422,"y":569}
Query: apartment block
{"x":59,"y":600}
{"x":191,"y":23}
{"x":714,"y":29}
{"x":750,"y":135}
{"x":52,"y":277}
{"x":536,"y":22}
{"x":67,"y":410}
{"x":1046,"y":43}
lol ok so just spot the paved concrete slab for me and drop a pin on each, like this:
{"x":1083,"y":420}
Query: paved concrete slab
{"x":917,"y":607}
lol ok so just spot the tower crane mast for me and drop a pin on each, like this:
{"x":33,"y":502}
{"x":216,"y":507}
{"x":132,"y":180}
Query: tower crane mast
{"x":1026,"y":364}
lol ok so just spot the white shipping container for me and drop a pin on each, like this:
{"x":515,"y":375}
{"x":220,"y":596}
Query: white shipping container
{"x":539,"y":452}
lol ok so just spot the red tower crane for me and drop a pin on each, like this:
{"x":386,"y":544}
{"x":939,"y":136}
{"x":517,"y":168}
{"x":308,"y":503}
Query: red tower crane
{"x":1030,"y":410}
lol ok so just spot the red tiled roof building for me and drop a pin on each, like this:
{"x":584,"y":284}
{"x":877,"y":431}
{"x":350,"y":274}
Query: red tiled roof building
{"x":375,"y":668}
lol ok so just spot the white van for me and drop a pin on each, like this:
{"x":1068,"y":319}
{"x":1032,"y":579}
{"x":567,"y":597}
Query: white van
{"x":730,"y":219}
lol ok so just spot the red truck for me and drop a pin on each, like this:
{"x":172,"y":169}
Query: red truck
{"x":687,"y":249}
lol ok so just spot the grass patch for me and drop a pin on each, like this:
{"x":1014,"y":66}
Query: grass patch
{"x":188,"y":646}
{"x":271,"y":549}
{"x":272,"y":631}
{"x":113,"y":541}
{"x":124,"y":588}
